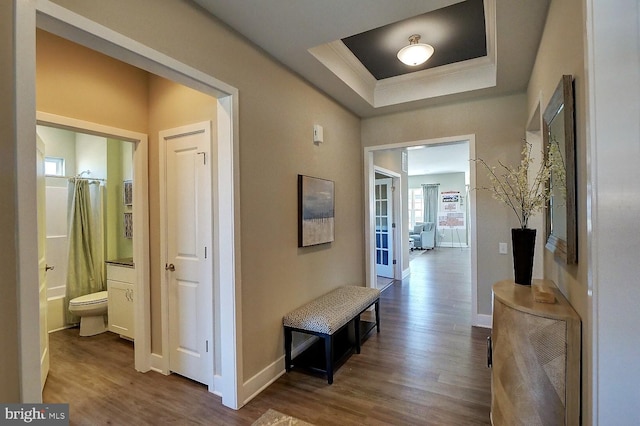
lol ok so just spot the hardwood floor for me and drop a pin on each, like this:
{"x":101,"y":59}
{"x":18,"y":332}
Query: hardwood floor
{"x":426,"y":367}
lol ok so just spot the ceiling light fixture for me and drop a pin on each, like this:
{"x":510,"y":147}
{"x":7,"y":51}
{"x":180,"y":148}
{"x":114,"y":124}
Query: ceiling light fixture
{"x":415,"y":53}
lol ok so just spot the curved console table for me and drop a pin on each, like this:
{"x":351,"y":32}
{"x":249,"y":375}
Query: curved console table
{"x":534,"y":352}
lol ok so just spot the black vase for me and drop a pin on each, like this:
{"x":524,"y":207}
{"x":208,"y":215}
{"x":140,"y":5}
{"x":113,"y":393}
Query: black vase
{"x":523,"y":243}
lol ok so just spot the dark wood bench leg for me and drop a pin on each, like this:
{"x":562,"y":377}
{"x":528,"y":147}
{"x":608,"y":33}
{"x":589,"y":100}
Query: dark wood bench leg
{"x":328,"y":353}
{"x":356,"y":326}
{"x":378,"y":315}
{"x":287,"y":348}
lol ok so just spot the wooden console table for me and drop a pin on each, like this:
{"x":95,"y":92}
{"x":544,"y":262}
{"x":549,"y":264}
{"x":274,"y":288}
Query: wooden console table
{"x":534,"y":352}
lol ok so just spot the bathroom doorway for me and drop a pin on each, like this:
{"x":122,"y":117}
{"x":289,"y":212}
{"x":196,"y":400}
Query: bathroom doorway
{"x":106,"y":164}
{"x":79,"y":149}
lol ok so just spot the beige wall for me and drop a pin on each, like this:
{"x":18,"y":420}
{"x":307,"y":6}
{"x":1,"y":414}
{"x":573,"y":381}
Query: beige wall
{"x":498,"y":125}
{"x":277,"y":113}
{"x":562,"y":52}
{"x":74,"y":81}
{"x":9,"y":357}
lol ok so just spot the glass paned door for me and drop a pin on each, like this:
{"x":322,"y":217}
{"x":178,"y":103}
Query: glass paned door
{"x":384,"y":228}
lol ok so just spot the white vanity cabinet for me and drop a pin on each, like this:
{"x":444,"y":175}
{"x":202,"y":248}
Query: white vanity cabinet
{"x":120,"y":286}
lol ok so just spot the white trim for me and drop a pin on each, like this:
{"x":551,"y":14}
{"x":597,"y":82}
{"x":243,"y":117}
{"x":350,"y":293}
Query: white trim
{"x":369,"y":222}
{"x":62,"y":328}
{"x":156,"y":363}
{"x":484,"y":321}
{"x":263,"y":379}
{"x":217,"y":384}
{"x":142,"y":306}
{"x":64,"y":23}
{"x":473,"y":232}
{"x":592,"y":216}
{"x":226,"y":234}
{"x":452,"y":244}
{"x":406,"y":273}
{"x":164,"y":294}
{"x":272,"y":372}
{"x":27,"y":250}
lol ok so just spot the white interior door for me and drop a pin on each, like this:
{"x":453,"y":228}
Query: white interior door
{"x":384,"y":227}
{"x":189,"y":250}
{"x":42,"y":262}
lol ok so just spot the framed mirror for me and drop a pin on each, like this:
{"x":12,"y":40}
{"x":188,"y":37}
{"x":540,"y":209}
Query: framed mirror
{"x":560,"y":144}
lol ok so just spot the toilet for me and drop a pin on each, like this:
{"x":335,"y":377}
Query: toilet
{"x":92,"y":310}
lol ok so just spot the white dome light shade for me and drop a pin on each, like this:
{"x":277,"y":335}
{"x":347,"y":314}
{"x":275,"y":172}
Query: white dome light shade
{"x":415,"y":53}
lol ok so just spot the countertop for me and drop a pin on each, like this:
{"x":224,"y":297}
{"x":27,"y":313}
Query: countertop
{"x":125,"y":261}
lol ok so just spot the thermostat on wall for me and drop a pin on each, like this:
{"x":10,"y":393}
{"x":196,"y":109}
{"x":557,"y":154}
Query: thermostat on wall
{"x":317,"y":133}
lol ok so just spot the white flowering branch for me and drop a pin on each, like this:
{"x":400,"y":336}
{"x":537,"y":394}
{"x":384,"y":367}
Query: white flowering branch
{"x":511,"y":185}
{"x":559,"y":187}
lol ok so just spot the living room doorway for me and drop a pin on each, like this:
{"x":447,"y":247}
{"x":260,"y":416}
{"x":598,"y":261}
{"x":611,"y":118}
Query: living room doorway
{"x":395,"y":157}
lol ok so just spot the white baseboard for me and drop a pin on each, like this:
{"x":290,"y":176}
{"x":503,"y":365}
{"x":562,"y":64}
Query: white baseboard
{"x":252,"y":387}
{"x":406,"y":273}
{"x":448,"y":244}
{"x":483,"y":321}
{"x":62,"y":328}
{"x":217,"y":385}
{"x":157,"y":364}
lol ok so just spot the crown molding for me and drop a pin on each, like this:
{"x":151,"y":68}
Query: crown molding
{"x":465,"y":76}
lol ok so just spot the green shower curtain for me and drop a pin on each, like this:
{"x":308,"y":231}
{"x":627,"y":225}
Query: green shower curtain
{"x":85,"y":267}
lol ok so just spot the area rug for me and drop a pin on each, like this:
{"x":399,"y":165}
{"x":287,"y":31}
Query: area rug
{"x":276,"y":418}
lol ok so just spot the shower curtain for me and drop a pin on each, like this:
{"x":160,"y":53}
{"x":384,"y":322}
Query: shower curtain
{"x":430,"y":196}
{"x":85,"y":272}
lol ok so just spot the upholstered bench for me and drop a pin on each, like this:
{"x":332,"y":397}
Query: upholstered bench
{"x":328,"y":315}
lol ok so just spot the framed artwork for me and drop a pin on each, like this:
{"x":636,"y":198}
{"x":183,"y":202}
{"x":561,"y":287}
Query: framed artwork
{"x":128,"y":225}
{"x":127,"y":192}
{"x":315,"y":211}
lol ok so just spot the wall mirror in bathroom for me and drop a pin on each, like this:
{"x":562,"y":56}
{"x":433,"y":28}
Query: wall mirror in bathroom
{"x":559,"y":139}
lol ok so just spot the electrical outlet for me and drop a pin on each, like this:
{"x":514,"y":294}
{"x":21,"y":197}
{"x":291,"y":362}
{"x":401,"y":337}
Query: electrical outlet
{"x":502,"y":248}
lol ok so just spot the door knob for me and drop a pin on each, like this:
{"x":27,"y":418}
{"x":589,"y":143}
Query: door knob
{"x":48,"y":268}
{"x":170,"y":267}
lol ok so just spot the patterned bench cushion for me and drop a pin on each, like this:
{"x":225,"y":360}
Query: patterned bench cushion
{"x":328,"y":313}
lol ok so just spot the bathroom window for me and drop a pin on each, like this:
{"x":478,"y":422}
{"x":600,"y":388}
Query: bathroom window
{"x":54,"y":166}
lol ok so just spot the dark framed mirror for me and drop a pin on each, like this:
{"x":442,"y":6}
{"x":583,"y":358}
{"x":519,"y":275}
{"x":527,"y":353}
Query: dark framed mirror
{"x":560,"y":144}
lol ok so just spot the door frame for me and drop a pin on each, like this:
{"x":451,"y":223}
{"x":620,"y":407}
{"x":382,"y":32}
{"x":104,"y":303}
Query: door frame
{"x":57,"y":20}
{"x":142,"y":304}
{"x":42,"y":269}
{"x":396,"y":200}
{"x":369,"y":185}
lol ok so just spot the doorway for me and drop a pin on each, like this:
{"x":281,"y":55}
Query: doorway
{"x":139,"y":219}
{"x":370,"y":220}
{"x":84,"y":32}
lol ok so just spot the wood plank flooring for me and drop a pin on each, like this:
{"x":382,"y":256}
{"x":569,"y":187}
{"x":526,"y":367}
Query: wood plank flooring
{"x":426,"y":367}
